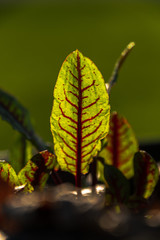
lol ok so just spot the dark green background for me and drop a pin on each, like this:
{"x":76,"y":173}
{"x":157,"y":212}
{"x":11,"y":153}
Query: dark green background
{"x":35,"y":38}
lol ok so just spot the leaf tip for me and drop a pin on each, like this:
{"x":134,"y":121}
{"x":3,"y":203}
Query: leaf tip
{"x":131,"y":45}
{"x":77,"y":51}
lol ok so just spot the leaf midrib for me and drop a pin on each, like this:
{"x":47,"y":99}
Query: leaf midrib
{"x":79,"y":127}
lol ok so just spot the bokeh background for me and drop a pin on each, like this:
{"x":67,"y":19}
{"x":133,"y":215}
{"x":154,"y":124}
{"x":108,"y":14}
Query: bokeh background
{"x":36,"y":37}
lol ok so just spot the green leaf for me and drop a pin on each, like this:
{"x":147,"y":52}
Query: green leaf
{"x":36,"y":171}
{"x":80,"y":114}
{"x":119,"y":63}
{"x":121,"y":146}
{"x":146,"y":174}
{"x":14,"y":113}
{"x":7,"y":174}
{"x":118,"y":184}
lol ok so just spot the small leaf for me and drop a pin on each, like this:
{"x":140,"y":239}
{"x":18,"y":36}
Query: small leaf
{"x":80,"y":115}
{"x":13,"y":112}
{"x":118,"y":65}
{"x":146,"y":174}
{"x":37,"y":170}
{"x":118,"y":184}
{"x":121,"y":146}
{"x":7,"y":174}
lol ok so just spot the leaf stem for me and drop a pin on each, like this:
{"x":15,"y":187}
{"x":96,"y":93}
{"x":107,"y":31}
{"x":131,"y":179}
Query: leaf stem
{"x":119,"y":63}
{"x":94,"y":171}
{"x":57,"y":180}
{"x":23,"y":151}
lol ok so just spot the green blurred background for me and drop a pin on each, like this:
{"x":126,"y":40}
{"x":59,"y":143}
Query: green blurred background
{"x":36,"y":37}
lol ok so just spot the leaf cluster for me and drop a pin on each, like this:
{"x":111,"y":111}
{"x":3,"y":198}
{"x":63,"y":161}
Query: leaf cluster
{"x":88,"y":140}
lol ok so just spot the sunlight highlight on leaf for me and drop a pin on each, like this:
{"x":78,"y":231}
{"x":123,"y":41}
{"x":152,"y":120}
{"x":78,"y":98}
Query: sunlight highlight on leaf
{"x":80,"y":114}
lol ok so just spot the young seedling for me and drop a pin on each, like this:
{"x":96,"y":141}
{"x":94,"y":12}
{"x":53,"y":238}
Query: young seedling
{"x":83,"y":132}
{"x":130,"y":175}
{"x":119,"y":188}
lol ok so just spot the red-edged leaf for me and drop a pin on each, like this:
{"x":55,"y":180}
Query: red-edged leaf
{"x":7,"y":174}
{"x":37,"y":170}
{"x":146,"y":174}
{"x":121,"y":145}
{"x":118,"y":183}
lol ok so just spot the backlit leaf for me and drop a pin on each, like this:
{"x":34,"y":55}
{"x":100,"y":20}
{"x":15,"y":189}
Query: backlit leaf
{"x":121,"y":146}
{"x":80,"y":114}
{"x":118,"y":183}
{"x":146,"y":174}
{"x":36,"y":171}
{"x":7,"y":174}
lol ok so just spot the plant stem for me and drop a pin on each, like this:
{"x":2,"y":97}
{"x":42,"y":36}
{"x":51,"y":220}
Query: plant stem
{"x":94,"y":171}
{"x":57,"y":180}
{"x":23,"y":151}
